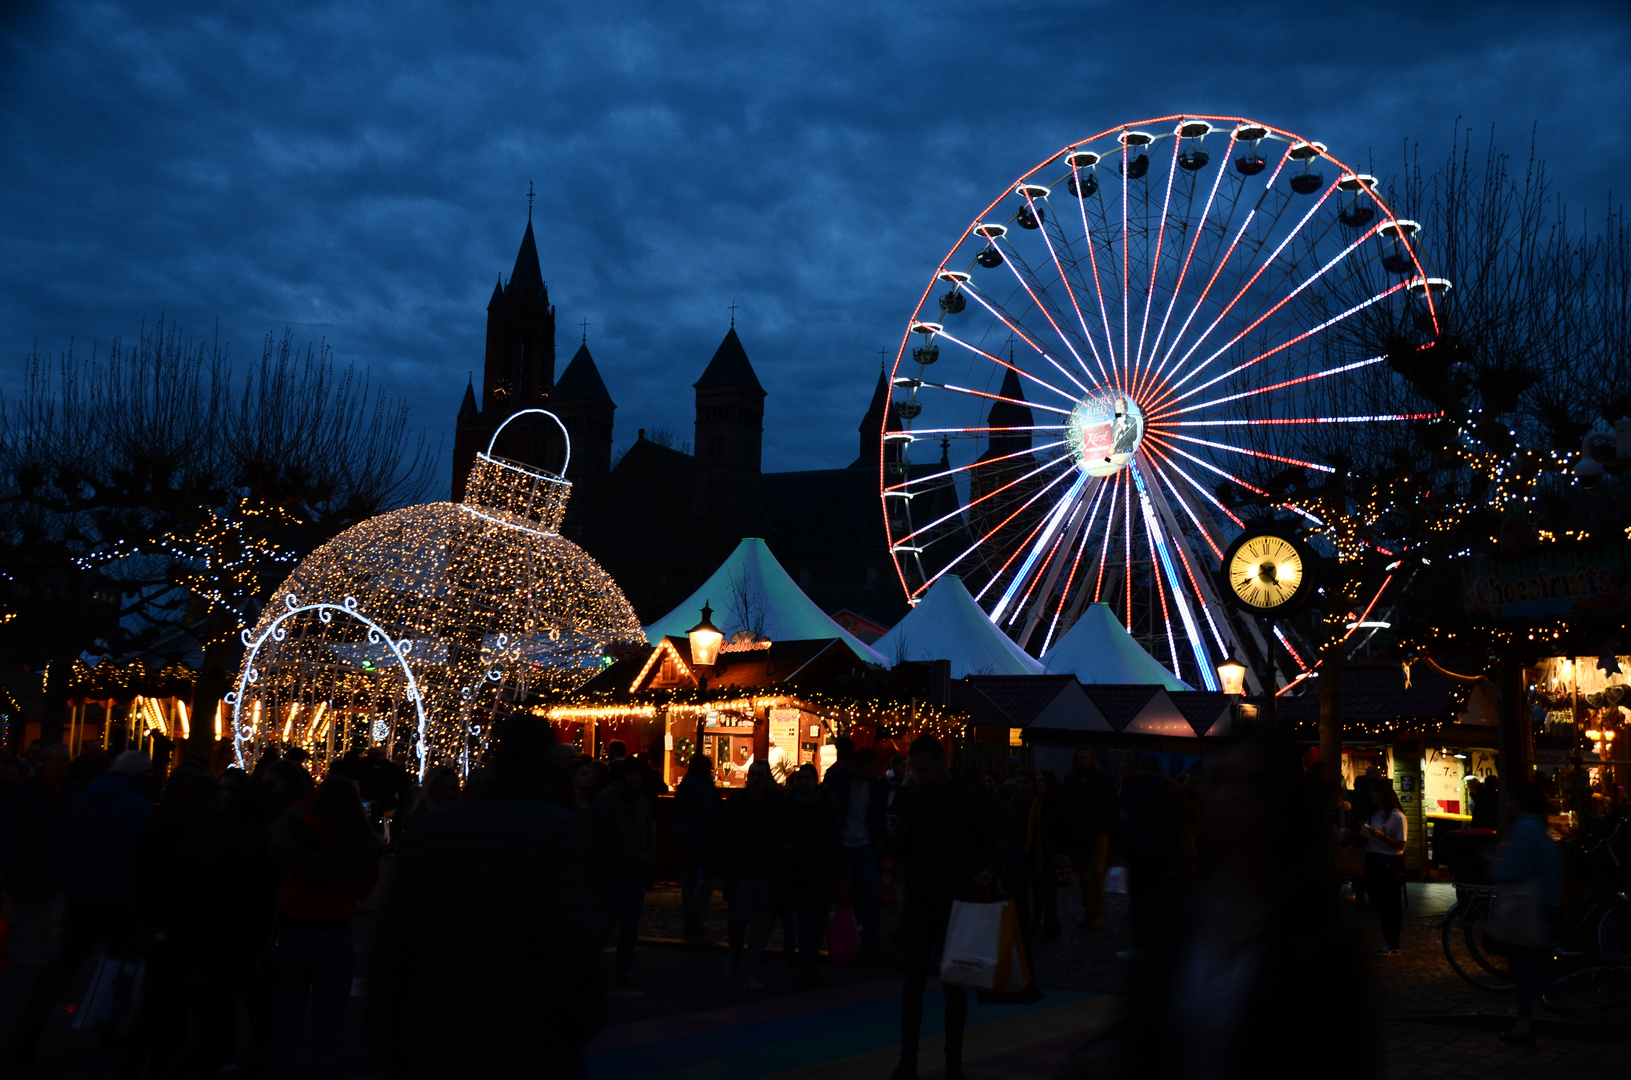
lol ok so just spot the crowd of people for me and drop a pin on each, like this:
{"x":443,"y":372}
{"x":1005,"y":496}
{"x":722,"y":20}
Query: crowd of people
{"x":238,"y":891}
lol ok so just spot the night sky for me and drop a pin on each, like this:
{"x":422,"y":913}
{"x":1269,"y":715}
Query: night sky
{"x":358,"y":172}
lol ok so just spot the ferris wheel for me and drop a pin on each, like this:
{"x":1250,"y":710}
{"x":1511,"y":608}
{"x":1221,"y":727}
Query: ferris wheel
{"x":1134,"y":337}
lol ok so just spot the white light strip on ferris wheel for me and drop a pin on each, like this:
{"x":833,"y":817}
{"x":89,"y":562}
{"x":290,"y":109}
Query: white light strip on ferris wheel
{"x":1232,"y":342}
{"x":1261,"y":270}
{"x":974,"y":502}
{"x":1305,"y":420}
{"x":1175,"y":467}
{"x":1081,"y":548}
{"x":976,"y":545}
{"x":954,"y":339}
{"x":1201,"y":298}
{"x":1280,"y":385}
{"x":1304,"y":336}
{"x":1200,"y":230}
{"x":1250,"y":453}
{"x":973,"y":465}
{"x":1155,"y":263}
{"x":1054,"y":520}
{"x":1164,"y":511}
{"x":1008,"y":261}
{"x":1098,"y":286}
{"x":1195,"y":642}
{"x":1064,"y":279}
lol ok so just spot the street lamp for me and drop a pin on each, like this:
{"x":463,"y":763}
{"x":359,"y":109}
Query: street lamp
{"x":1232,"y":673}
{"x":705,"y":639}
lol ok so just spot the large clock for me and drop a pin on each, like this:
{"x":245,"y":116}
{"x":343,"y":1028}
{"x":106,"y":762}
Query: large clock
{"x":1268,"y":572}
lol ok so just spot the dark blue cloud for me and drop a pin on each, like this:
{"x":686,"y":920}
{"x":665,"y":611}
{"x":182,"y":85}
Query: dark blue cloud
{"x":357,"y":171}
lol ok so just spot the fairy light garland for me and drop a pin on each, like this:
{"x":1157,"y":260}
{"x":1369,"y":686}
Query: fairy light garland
{"x":484,"y":600}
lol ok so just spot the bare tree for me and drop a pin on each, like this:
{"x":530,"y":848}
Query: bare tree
{"x":154,"y":476}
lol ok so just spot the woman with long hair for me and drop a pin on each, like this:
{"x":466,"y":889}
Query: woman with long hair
{"x":1385,"y":833}
{"x":329,"y":855}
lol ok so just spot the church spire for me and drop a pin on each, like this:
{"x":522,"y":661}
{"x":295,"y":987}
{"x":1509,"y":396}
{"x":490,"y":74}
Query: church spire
{"x":527,"y":279}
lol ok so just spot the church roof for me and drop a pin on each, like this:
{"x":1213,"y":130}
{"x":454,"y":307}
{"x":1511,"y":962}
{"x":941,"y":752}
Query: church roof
{"x":730,"y":366}
{"x":1098,"y":649}
{"x":751,"y":587}
{"x":468,"y":407}
{"x":581,"y":379}
{"x":947,"y":625}
{"x":528,"y":277}
{"x":1006,"y":413}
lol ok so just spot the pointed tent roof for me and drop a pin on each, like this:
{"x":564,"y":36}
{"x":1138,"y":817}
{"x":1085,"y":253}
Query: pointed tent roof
{"x":730,"y":366}
{"x":948,"y":625}
{"x":581,"y":379}
{"x":1098,"y":649}
{"x":528,"y":276}
{"x":785,"y":614}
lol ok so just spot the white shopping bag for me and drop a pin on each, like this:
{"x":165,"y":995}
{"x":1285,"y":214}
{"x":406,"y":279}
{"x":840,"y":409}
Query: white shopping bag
{"x":982,"y":950}
{"x":1115,"y":880}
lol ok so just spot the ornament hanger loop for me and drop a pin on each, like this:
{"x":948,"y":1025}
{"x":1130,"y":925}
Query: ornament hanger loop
{"x":564,"y":463}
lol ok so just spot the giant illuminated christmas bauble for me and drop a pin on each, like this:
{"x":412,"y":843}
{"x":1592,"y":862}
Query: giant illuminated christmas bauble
{"x":413,"y":629}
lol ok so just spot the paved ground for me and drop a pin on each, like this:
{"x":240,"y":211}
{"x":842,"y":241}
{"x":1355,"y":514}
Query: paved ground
{"x":685,"y":1020}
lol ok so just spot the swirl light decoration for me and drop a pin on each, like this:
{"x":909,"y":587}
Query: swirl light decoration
{"x":405,"y":629}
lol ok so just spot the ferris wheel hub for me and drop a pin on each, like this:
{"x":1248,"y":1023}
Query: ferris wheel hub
{"x":1104,"y":431}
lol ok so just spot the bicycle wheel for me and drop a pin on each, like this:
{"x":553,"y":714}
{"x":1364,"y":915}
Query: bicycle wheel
{"x":1614,"y":931}
{"x":1590,"y":989}
{"x":1462,"y":935}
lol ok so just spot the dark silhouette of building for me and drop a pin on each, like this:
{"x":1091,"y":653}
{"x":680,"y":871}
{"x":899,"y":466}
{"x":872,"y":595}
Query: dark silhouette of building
{"x":661,"y":519}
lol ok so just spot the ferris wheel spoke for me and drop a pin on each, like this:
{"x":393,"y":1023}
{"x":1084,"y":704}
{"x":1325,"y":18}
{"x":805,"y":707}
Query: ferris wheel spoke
{"x":1013,"y":325}
{"x":1047,"y":527}
{"x":1203,"y":595}
{"x":1368,"y":419}
{"x":984,"y":432}
{"x":1155,"y":262}
{"x":1326,"y":194}
{"x":1309,"y":282}
{"x":1325,"y":374}
{"x":1207,"y":465}
{"x":1098,"y":284}
{"x":1200,"y":299}
{"x":1173,"y":397}
{"x":1126,"y":296}
{"x":1250,"y":453}
{"x":1200,"y":231}
{"x":1075,"y":564}
{"x":903,"y":485}
{"x":955,"y":389}
{"x":1160,"y":471}
{"x":972,"y":548}
{"x":1064,"y":279}
{"x":1013,"y":261}
{"x":975,"y":502}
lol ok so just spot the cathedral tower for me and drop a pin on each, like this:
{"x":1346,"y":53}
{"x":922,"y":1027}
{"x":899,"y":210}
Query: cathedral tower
{"x":519,"y":371}
{"x":729,"y":430}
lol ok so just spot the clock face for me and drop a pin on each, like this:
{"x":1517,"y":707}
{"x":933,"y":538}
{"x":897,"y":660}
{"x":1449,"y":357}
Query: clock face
{"x":1266,"y":571}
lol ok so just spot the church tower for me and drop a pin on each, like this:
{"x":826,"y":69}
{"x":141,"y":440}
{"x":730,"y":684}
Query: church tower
{"x":586,"y":408}
{"x":729,"y":430}
{"x":519,"y":371}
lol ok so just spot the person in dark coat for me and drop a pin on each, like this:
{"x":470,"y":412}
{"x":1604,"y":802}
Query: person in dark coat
{"x":174,"y":924}
{"x":626,"y":845}
{"x":99,"y":887}
{"x":812,"y":863}
{"x":696,"y":839}
{"x":1149,"y":840}
{"x":1090,"y":808}
{"x":859,"y":802}
{"x":755,"y":868}
{"x":1228,"y":989}
{"x":31,"y":852}
{"x":487,"y":954}
{"x":329,"y":854}
{"x":943,"y":833}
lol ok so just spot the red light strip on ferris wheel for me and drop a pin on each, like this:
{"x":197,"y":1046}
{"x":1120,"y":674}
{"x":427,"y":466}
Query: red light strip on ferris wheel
{"x":1304,"y":336}
{"x":1251,"y":453}
{"x":1064,"y":279}
{"x":1098,"y":286}
{"x":1087,"y":532}
{"x":1278,"y":385}
{"x":975,"y":465}
{"x":998,"y":527}
{"x":1306,"y":420}
{"x":1261,"y":270}
{"x":1009,"y":261}
{"x":975,"y":502}
{"x":1017,"y":332}
{"x":1207,"y":495}
{"x":1155,"y":263}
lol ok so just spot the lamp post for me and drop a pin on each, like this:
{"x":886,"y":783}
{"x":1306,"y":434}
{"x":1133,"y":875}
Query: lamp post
{"x":705,"y":639}
{"x":1232,"y":674}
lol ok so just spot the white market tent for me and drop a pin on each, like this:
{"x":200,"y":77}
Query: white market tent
{"x":1098,"y":649}
{"x":948,"y":625}
{"x":751,"y":591}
